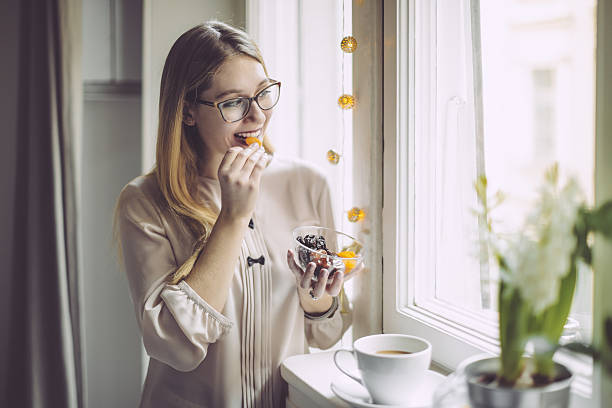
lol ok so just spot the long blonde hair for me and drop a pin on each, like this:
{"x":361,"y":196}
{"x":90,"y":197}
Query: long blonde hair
{"x":189,"y":69}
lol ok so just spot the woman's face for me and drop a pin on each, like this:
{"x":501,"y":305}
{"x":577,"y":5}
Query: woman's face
{"x":239,"y":76}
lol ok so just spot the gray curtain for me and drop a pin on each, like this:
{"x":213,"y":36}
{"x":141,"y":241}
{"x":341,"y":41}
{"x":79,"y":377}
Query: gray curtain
{"x":43,"y":353}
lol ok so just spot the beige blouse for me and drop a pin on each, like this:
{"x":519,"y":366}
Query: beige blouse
{"x":201,"y":357}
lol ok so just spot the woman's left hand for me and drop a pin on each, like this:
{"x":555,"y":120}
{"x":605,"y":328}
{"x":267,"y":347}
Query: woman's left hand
{"x":328,"y":282}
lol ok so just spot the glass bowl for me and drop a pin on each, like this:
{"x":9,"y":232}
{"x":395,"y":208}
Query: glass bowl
{"x":328,"y":249}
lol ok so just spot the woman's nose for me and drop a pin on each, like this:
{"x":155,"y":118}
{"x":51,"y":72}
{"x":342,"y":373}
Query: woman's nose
{"x":256,"y":114}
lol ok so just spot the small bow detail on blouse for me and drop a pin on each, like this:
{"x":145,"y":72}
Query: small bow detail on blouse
{"x":261,"y":260}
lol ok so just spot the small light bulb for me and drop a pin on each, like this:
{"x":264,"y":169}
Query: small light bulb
{"x":355,"y":214}
{"x":333,"y":157}
{"x":346,"y":101}
{"x":348,"y":44}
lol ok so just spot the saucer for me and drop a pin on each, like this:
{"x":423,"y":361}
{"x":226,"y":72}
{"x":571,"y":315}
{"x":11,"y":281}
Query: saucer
{"x":357,"y":396}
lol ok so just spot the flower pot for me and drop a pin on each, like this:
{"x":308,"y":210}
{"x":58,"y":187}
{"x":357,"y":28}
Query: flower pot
{"x":482,"y":395}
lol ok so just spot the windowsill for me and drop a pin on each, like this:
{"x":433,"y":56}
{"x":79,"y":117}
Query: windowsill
{"x":309,"y":377}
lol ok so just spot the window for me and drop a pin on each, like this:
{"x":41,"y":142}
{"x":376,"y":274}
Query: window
{"x":501,"y":90}
{"x":543,"y":114}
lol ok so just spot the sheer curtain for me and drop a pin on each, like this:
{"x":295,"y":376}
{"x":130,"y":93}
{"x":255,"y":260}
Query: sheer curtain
{"x":460,"y":153}
{"x":43,"y":365}
{"x":449,"y":143}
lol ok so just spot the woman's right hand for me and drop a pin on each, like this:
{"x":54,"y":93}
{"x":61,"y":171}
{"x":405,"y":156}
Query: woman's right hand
{"x":239,"y":176}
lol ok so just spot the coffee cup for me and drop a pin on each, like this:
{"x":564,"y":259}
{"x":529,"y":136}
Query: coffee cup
{"x":392,"y":366}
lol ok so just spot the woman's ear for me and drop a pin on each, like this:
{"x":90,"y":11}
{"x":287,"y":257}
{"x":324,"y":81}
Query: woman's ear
{"x":188,"y":115}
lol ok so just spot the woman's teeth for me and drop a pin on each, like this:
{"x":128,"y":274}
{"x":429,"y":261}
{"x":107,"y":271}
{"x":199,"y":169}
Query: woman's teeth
{"x":244,"y":135}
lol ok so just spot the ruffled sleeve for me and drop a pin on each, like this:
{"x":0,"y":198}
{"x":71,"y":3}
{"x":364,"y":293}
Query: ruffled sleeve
{"x":177,"y":325}
{"x":325,"y":333}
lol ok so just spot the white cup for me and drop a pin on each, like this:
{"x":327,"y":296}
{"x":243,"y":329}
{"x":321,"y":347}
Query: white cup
{"x":395,"y":375}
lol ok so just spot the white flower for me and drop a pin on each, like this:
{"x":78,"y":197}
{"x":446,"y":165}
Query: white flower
{"x":540,"y":256}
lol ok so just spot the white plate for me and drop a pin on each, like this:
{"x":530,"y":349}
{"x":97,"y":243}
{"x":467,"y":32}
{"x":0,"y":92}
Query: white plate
{"x":356,"y":395}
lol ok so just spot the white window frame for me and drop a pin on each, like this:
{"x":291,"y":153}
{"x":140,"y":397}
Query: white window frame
{"x":455,"y":334}
{"x":452,"y":342}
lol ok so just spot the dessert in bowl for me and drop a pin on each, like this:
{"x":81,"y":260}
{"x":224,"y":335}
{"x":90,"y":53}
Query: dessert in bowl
{"x":328,"y":249}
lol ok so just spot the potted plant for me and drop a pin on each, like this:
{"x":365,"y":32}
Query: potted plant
{"x":538,"y":270}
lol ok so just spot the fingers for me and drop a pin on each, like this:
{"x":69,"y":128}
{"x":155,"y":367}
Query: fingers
{"x":244,"y":165}
{"x":252,"y":161}
{"x":235,"y":158}
{"x":297,"y":271}
{"x":319,"y":287}
{"x":239,"y":176}
{"x":260,"y":166}
{"x":334,"y":284}
{"x":325,"y":283}
{"x":306,"y":279}
{"x":228,"y":159}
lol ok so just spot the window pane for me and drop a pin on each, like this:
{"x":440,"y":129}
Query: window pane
{"x":538,"y":84}
{"x":538,"y":65}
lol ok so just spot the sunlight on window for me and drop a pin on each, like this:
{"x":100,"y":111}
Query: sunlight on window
{"x":538,"y":62}
{"x":538,"y":79}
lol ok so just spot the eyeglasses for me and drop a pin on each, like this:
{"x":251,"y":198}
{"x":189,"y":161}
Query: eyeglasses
{"x":233,"y":110}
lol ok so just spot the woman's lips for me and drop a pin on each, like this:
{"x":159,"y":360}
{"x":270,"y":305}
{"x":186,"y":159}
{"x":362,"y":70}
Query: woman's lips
{"x":251,"y":133}
{"x":243,"y":136}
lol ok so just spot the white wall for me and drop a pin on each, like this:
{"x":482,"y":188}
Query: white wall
{"x":111,"y":152}
{"x":112,"y":46}
{"x":111,"y":341}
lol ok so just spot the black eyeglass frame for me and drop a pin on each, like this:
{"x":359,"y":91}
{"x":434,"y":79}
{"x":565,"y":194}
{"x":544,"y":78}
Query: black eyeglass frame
{"x":250,"y":99}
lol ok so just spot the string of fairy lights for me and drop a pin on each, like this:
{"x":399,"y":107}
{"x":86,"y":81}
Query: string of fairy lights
{"x":346,"y":101}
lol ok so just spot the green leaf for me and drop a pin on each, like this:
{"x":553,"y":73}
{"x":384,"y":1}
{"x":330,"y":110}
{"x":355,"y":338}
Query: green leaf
{"x":581,"y":231}
{"x":554,"y":318}
{"x":535,"y":323}
{"x":608,"y":331}
{"x":513,"y":332}
{"x":558,"y":312}
{"x":600,"y":219}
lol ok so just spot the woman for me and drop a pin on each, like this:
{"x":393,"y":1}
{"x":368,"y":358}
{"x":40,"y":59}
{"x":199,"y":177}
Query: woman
{"x":219,"y":299}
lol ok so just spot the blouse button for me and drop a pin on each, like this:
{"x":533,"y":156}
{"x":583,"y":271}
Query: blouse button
{"x":261,"y":260}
